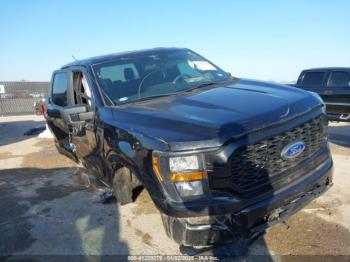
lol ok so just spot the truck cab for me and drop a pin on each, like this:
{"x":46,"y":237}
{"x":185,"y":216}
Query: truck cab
{"x":333,"y":85}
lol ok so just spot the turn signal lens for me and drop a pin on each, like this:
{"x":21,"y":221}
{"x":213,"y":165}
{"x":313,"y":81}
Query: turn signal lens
{"x":156,"y":168}
{"x":190,"y":176}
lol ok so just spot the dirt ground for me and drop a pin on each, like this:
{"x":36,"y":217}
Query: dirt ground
{"x":49,"y":205}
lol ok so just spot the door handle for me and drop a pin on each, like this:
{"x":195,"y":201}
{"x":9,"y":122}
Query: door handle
{"x":328,"y":92}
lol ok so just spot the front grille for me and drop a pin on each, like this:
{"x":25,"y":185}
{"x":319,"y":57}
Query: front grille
{"x":254,"y":165}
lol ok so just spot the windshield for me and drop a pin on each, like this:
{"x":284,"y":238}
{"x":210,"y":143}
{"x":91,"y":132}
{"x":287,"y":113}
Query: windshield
{"x":153,"y":74}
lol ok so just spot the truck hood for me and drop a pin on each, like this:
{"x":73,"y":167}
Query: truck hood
{"x":209,"y":117}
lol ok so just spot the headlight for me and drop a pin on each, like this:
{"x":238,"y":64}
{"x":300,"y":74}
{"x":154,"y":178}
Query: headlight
{"x":186,"y":189}
{"x":186,"y":172}
{"x":183,"y":163}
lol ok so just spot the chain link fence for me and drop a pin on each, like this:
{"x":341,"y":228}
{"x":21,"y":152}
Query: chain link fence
{"x":18,"y":98}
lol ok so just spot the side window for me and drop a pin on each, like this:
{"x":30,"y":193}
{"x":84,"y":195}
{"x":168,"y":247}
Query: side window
{"x":59,"y":89}
{"x":339,"y":79}
{"x":82,"y":92}
{"x":313,"y":79}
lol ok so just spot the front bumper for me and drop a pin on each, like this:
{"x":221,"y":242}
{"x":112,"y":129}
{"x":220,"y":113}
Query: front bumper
{"x":207,"y":230}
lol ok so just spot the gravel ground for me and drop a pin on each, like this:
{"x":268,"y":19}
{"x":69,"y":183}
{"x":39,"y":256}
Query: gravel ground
{"x":50,"y":206}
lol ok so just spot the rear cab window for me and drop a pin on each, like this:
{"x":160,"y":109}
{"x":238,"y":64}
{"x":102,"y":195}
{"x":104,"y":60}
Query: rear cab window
{"x":339,"y":79}
{"x":59,"y":88}
{"x":313,"y":79}
{"x":121,"y":72}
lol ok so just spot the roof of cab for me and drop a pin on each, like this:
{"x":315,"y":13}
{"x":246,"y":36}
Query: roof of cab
{"x":328,"y":68}
{"x":111,"y":57}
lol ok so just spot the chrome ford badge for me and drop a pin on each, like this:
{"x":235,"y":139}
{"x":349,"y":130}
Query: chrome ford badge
{"x":293,"y":150}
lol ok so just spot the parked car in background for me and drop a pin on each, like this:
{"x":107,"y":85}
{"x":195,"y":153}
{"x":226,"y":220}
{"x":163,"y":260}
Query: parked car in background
{"x":7,"y":95}
{"x":37,"y":95}
{"x":219,"y":156}
{"x":333,"y":85}
{"x":21,"y":94}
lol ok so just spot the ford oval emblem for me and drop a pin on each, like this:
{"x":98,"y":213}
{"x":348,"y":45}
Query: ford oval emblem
{"x":293,"y":150}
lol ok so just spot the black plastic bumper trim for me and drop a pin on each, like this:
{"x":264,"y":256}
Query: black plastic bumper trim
{"x":255,"y":218}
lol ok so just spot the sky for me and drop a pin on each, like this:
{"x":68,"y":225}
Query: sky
{"x":259,"y":39}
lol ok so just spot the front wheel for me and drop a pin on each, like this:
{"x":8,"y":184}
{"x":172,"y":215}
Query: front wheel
{"x":124,"y":183}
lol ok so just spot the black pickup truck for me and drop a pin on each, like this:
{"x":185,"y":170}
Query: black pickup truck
{"x":333,"y":85}
{"x":219,"y":156}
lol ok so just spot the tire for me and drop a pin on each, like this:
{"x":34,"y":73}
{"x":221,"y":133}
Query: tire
{"x":124,"y":183}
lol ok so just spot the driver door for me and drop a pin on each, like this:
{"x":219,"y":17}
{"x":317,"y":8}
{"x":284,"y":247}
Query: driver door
{"x":84,"y":127}
{"x":70,"y":113}
{"x":85,"y":140}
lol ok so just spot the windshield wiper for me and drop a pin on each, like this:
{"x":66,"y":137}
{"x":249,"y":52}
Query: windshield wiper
{"x":178,"y":92}
{"x":209,"y":84}
{"x":202,"y":85}
{"x":155,"y":96}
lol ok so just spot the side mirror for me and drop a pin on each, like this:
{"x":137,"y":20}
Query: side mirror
{"x":53,"y":112}
{"x":76,"y":114}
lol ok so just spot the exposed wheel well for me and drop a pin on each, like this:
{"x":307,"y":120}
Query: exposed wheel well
{"x":125,"y":184}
